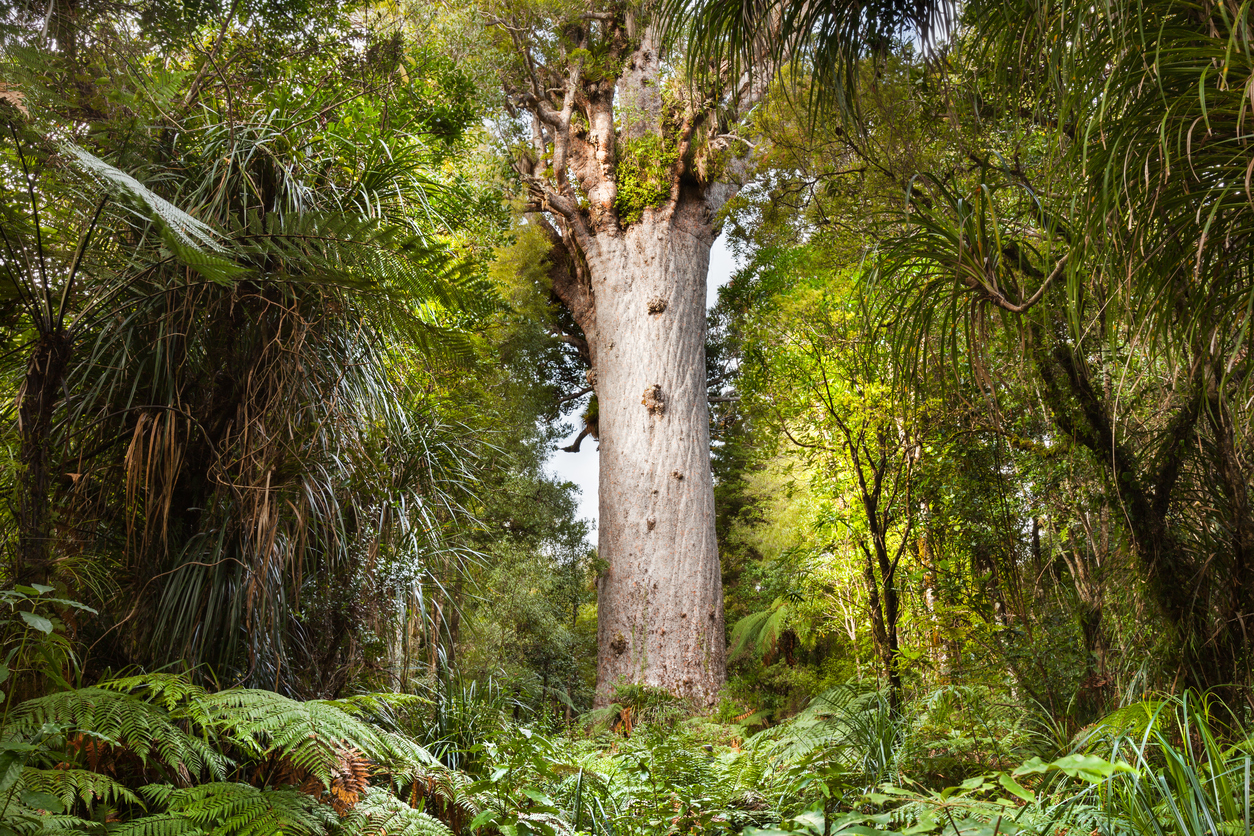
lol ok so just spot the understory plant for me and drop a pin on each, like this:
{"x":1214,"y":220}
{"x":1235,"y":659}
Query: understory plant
{"x":157,"y":754}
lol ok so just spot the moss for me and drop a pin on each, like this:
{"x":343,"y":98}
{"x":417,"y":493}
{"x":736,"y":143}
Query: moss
{"x":711,"y":163}
{"x":644,"y":176}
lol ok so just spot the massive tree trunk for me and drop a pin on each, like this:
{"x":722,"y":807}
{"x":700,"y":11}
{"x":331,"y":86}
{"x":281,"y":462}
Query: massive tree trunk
{"x":626,"y":181}
{"x":660,"y":603}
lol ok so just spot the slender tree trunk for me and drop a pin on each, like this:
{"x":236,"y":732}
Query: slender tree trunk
{"x":884,"y":612}
{"x":38,"y":398}
{"x":660,"y":608}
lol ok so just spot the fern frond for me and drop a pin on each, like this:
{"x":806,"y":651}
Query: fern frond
{"x":169,"y":690}
{"x":382,"y":814}
{"x":164,"y":824}
{"x":311,"y":736}
{"x":231,"y":809}
{"x":73,"y":785}
{"x":759,"y":632}
{"x":117,"y":720}
{"x":191,"y":232}
{"x":444,"y":792}
{"x":19,"y":818}
{"x":373,"y":706}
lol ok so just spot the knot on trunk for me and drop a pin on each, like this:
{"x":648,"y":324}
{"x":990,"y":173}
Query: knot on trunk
{"x":653,"y":400}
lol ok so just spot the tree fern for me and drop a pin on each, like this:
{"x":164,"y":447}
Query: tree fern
{"x":759,"y":633}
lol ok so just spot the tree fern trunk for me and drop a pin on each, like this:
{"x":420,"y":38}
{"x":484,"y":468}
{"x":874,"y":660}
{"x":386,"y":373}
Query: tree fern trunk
{"x":44,"y":373}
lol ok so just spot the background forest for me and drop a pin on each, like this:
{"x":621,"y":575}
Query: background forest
{"x":284,"y":367}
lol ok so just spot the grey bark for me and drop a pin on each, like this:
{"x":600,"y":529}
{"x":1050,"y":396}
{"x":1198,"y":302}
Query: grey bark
{"x":660,"y":602}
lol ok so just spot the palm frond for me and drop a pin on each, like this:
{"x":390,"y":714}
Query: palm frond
{"x":736,"y":39}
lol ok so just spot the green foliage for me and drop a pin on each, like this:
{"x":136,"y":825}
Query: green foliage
{"x":759,"y":633}
{"x":643,"y":174}
{"x":292,"y":432}
{"x":258,"y":300}
{"x":633,"y":705}
{"x":144,"y":730}
{"x":241,"y":809}
{"x":380,"y":813}
{"x":34,"y":641}
{"x":1192,"y":767}
{"x":169,"y":757}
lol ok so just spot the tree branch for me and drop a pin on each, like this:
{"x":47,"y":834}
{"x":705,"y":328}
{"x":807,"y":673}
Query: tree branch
{"x":572,"y":396}
{"x":567,"y":277}
{"x":561,"y":139}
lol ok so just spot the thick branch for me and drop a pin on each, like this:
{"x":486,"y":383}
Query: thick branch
{"x":561,"y":139}
{"x":567,"y":277}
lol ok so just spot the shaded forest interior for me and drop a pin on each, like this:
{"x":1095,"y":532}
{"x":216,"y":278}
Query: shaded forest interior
{"x":300,"y":298}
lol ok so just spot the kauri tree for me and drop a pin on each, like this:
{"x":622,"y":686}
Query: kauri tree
{"x":625,"y":165}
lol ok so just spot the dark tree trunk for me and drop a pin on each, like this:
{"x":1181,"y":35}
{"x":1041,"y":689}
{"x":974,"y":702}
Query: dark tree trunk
{"x":38,"y":398}
{"x":883,"y":607}
{"x":1212,"y":649}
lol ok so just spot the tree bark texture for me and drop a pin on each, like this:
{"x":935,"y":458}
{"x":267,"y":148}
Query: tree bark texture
{"x":660,"y":602}
{"x":624,"y":172}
